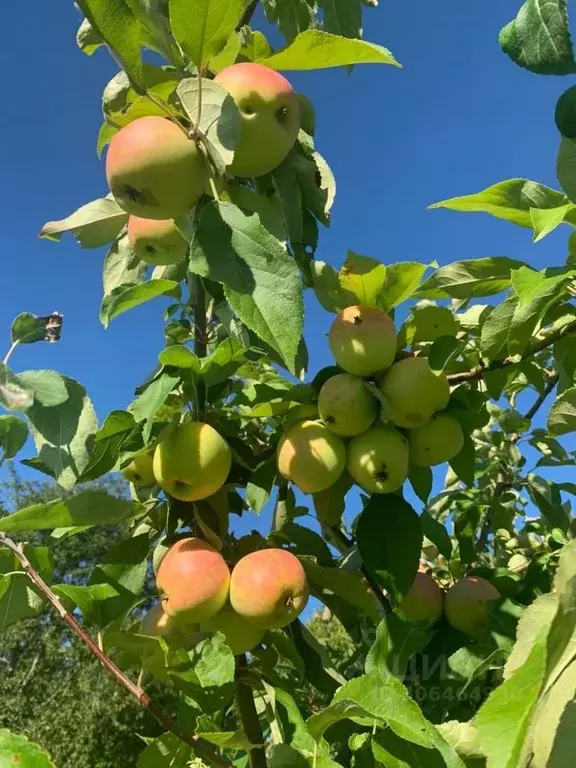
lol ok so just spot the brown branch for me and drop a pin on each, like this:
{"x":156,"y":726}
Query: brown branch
{"x":539,"y":402}
{"x":249,"y":716}
{"x":339,"y":534}
{"x":203,"y":749}
{"x":480,"y":370}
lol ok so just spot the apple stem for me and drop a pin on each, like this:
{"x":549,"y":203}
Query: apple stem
{"x":202,"y":748}
{"x":249,"y":715}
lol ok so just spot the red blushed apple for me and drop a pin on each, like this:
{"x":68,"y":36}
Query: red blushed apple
{"x":270,"y":112}
{"x":194,"y":580}
{"x":424,"y":601}
{"x":269,"y":588}
{"x":154,"y":170}
{"x":468,"y":604}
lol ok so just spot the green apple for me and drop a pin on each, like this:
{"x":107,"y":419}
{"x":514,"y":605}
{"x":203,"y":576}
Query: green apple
{"x":346,"y":406}
{"x":194,"y":581}
{"x":192,"y":462}
{"x":269,"y":588}
{"x":468,"y":604}
{"x":154,"y":170}
{"x":414,"y":392}
{"x":363,"y":340}
{"x":140,"y":471}
{"x":311,"y":456}
{"x":156,"y":242}
{"x":378,"y":459}
{"x":241,"y":635}
{"x":438,"y":441}
{"x":270,"y":114}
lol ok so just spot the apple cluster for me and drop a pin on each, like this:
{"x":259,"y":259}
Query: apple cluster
{"x":466,"y":605}
{"x":157,"y":170}
{"x":376,"y":448}
{"x":266,"y":589}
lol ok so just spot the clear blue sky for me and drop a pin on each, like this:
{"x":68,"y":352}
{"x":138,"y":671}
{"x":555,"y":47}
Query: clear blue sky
{"x":459,"y":117}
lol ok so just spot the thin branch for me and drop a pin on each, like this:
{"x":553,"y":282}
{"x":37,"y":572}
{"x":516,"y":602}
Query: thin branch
{"x":501,"y":486}
{"x":339,"y":534}
{"x":200,"y":346}
{"x":539,"y":402}
{"x":203,"y":749}
{"x":249,"y":716}
{"x":479,"y":371}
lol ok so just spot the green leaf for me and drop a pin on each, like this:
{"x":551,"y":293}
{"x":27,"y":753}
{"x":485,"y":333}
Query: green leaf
{"x":227,"y":55}
{"x":63,"y":431}
{"x":544,"y":222}
{"x":180,"y":356}
{"x":538,"y":39}
{"x":342,"y":17}
{"x":470,"y":279}
{"x":260,"y":486}
{"x":512,"y":200}
{"x":202,"y":27}
{"x":220,"y":121}
{"x":402,"y":280}
{"x":421,"y":481}
{"x":536,"y":294}
{"x":114,"y":22}
{"x":167,"y":751}
{"x":503,"y":720}
{"x":464,"y":463}
{"x":108,"y":441}
{"x":18,"y":598}
{"x":145,"y":407}
{"x":14,"y":394}
{"x":386,"y":700}
{"x":437,"y":534}
{"x":291,"y":16}
{"x":86,"y":508}
{"x":328,"y":289}
{"x":128,"y":296}
{"x":390,"y":750}
{"x":348,"y":586}
{"x":262,"y":282}
{"x":87,"y":39}
{"x":330,"y":504}
{"x":562,"y":414}
{"x":547,"y":498}
{"x":255,"y":46}
{"x":16,"y":750}
{"x":315,"y":49}
{"x":566,"y":167}
{"x":49,"y":386}
{"x":363,"y":278}
{"x":431,"y":322}
{"x":93,"y":225}
{"x":122,"y":266}
{"x":443,"y":350}
{"x":223,"y":363}
{"x":86,"y":598}
{"x":495,"y":329}
{"x":13,"y":435}
{"x":389,"y":537}
{"x":28,"y":328}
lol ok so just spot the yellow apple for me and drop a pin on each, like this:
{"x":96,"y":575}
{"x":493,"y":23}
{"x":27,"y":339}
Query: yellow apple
{"x":378,"y":459}
{"x":192,"y":462}
{"x":311,"y":456}
{"x":363,"y":340}
{"x":438,"y":441}
{"x":241,"y":635}
{"x":346,"y":406}
{"x":414,"y":392}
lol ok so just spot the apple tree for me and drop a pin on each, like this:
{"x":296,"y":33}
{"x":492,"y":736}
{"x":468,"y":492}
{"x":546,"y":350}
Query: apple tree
{"x":407,"y":485}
